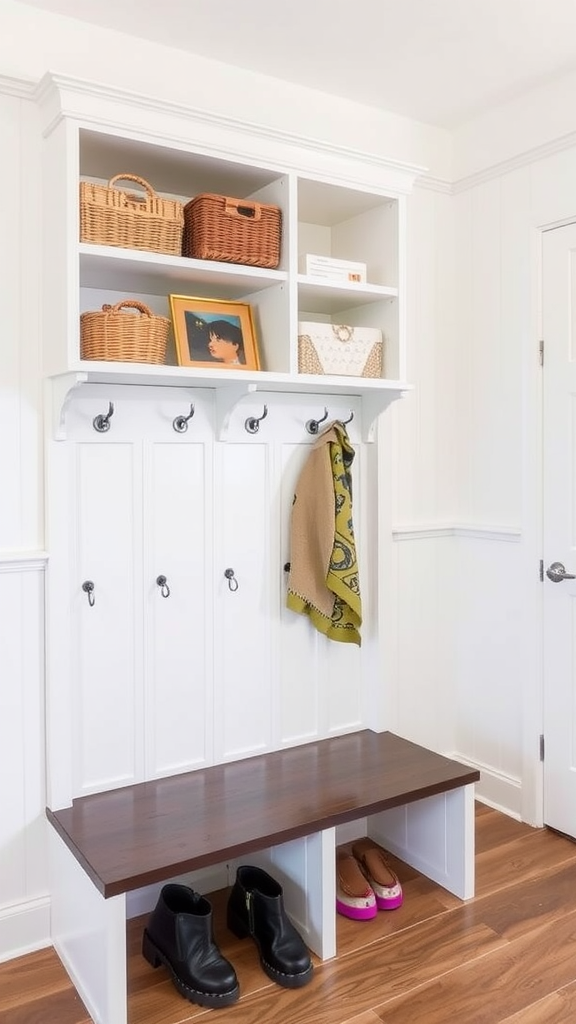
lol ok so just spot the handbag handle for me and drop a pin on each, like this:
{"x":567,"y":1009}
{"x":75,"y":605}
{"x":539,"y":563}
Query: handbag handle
{"x":242,"y":208}
{"x":139,"y":181}
{"x":130,"y":303}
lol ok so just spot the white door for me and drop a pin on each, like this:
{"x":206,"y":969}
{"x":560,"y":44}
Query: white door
{"x":559,"y":519}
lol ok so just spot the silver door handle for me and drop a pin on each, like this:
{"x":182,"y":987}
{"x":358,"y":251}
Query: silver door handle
{"x":556,"y":572}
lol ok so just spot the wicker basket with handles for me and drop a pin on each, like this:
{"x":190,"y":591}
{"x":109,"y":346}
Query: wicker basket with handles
{"x":118,"y":333}
{"x":112,"y":216}
{"x":232,"y":230}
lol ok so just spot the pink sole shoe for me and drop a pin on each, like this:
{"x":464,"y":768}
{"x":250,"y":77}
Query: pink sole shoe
{"x":355,"y":898}
{"x":384,"y":882}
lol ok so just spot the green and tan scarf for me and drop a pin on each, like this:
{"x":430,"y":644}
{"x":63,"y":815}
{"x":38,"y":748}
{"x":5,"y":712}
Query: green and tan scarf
{"x":323,"y":581}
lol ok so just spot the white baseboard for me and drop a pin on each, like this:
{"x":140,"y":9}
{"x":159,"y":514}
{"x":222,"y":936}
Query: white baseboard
{"x":496,"y":789}
{"x":24,"y":927}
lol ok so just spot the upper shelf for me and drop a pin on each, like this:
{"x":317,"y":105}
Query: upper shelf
{"x":103,"y":266}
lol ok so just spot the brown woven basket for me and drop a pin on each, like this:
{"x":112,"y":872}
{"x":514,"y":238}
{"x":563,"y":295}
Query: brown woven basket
{"x":232,"y":230}
{"x":110,"y":216}
{"x":111,"y":334}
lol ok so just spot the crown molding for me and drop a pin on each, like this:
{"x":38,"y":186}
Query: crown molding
{"x":432,"y":184}
{"x":22,"y":88}
{"x":73,"y":93}
{"x":529,"y":156}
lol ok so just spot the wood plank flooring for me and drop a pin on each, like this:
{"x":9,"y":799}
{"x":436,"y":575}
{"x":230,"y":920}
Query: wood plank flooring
{"x":506,"y":957}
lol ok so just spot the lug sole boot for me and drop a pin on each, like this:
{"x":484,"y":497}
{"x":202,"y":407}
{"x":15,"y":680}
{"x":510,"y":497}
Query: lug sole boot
{"x":256,"y":908}
{"x":179,"y":935}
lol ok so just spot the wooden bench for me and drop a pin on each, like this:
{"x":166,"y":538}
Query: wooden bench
{"x":280,"y":810}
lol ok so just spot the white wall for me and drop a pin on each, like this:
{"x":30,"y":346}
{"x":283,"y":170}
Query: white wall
{"x":463,"y":484}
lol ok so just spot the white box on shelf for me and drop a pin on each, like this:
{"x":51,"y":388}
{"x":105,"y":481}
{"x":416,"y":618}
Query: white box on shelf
{"x":339,"y":349}
{"x":333,"y":269}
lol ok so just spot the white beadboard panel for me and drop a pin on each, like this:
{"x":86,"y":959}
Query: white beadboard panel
{"x":298,"y":660}
{"x":23,"y":875}
{"x":244,"y":617}
{"x":10,"y":369}
{"x":424,"y":419}
{"x":108,"y":684}
{"x":342,"y":697}
{"x":492,"y":656}
{"x":20,"y":389}
{"x":178,"y":659}
{"x":425,"y":708}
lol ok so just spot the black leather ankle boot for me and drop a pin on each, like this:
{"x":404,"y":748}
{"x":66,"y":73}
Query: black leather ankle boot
{"x":179,"y":935}
{"x":256,"y":908}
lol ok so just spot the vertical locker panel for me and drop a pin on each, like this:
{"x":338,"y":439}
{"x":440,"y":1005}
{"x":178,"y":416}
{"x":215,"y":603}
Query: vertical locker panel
{"x":246,"y":617}
{"x":341,"y":670}
{"x":298,"y":707}
{"x":177,"y":545}
{"x":108,"y":679}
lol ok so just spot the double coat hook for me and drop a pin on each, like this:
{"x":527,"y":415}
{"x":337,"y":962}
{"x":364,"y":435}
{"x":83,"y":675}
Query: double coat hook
{"x":102,"y":423}
{"x":313,"y":425}
{"x":180,"y":424}
{"x":252,"y":424}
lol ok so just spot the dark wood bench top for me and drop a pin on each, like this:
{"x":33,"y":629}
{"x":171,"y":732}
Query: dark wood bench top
{"x":130,"y":837}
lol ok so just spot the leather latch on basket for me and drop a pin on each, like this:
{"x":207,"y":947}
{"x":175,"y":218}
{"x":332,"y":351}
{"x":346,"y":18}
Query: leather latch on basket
{"x":239,"y":208}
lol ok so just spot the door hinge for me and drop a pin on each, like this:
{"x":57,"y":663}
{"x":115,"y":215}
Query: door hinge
{"x":541,"y":351}
{"x":541,"y":746}
{"x":541,"y":570}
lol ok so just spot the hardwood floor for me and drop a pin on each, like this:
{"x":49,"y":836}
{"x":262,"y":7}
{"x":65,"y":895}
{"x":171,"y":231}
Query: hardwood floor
{"x":506,"y":957}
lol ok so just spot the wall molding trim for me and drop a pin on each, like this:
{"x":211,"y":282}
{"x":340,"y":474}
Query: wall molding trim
{"x":24,"y":927}
{"x":475,"y":531}
{"x":22,"y":88}
{"x":23,"y":561}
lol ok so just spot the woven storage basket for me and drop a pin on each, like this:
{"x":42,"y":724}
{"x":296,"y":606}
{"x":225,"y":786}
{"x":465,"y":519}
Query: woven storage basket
{"x":111,"y":216}
{"x":232,"y":230}
{"x":339,"y":349}
{"x":112,"y":334}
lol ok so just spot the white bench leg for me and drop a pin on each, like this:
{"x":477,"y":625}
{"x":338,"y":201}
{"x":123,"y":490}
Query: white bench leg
{"x":306,"y":869}
{"x":435,"y":836}
{"x":89,"y":935}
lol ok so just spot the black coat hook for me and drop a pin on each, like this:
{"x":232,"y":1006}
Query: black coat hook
{"x":102,"y":423}
{"x":88,"y":588}
{"x":180,"y":424}
{"x":312,"y":425}
{"x":252,"y":424}
{"x":349,"y":420}
{"x":232,"y":581}
{"x":162,"y":582}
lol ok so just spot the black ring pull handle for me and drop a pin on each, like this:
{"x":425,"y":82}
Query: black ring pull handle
{"x":88,"y":588}
{"x":162,"y":582}
{"x":232,"y":581}
{"x":252,"y":424}
{"x":312,"y":425}
{"x":180,"y":424}
{"x":102,"y":423}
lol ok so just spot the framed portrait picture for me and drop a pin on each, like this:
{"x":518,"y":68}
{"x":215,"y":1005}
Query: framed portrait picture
{"x":214,"y":333}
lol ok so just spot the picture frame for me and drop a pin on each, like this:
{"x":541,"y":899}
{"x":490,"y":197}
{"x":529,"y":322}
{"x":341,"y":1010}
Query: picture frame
{"x":217,"y":334}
